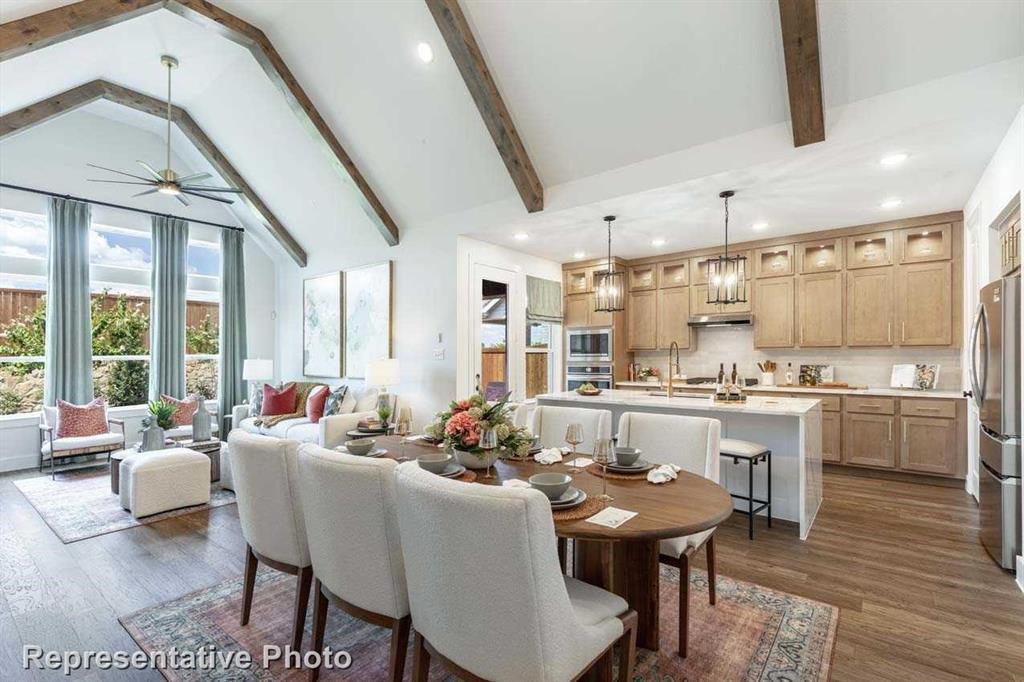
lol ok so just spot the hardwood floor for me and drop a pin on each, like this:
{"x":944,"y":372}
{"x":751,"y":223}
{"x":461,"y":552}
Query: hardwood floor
{"x":919,"y":598}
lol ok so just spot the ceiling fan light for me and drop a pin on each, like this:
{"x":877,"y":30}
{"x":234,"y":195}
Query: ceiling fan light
{"x":169,"y":188}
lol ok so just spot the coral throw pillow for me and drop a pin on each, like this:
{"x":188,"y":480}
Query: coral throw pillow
{"x":278,"y":401}
{"x":315,"y":403}
{"x":75,"y":421}
{"x":184,"y":410}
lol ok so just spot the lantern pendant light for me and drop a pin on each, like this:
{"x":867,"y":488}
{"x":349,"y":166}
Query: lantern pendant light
{"x":727,"y":275}
{"x":610,"y":291}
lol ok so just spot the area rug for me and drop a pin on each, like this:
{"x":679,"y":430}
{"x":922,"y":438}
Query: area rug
{"x":78,"y":504}
{"x":751,"y":634}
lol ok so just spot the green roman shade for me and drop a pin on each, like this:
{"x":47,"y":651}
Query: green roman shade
{"x":543,"y":300}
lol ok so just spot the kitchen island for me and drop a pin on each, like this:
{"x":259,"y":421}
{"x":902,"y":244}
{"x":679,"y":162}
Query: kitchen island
{"x":790,"y":427}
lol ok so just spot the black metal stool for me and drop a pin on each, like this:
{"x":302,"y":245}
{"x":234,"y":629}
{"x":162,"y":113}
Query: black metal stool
{"x":753,"y":453}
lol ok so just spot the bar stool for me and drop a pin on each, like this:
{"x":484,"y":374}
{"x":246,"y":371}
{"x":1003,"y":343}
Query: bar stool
{"x":752,"y":453}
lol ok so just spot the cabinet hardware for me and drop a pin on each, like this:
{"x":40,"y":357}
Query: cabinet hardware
{"x":873,"y":406}
{"x":929,"y":409}
{"x":904,"y":431}
{"x":890,"y":430}
{"x":888,"y":332}
{"x":903,"y":332}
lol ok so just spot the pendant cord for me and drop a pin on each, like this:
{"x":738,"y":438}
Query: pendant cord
{"x":726,"y":227}
{"x":609,"y":248}
{"x":168,"y":116}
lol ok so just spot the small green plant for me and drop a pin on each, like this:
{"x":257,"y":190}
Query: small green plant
{"x":10,"y":402}
{"x":384,"y":412}
{"x":163,"y":412}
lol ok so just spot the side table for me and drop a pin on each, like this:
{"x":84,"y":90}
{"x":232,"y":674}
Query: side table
{"x":115,"y":468}
{"x":210,"y":448}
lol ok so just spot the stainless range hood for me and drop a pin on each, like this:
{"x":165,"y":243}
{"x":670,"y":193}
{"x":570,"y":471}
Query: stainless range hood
{"x":721,"y":320}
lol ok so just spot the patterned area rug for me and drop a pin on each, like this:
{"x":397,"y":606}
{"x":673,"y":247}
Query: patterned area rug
{"x":751,"y":634}
{"x":79,"y":504}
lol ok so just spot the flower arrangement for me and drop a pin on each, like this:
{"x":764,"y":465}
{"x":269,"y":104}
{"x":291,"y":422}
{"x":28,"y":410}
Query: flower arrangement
{"x":460,"y":426}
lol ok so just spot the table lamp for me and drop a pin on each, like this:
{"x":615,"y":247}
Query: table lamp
{"x":256,"y":370}
{"x":383,"y":373}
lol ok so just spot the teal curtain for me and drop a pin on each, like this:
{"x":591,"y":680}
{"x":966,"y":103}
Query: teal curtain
{"x":68,"y":373}
{"x":543,"y":300}
{"x":231,"y":386}
{"x":167,"y":308}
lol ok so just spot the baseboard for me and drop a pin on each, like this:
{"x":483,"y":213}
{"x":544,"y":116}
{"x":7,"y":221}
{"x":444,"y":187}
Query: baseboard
{"x":920,"y":479}
{"x":1020,"y":573}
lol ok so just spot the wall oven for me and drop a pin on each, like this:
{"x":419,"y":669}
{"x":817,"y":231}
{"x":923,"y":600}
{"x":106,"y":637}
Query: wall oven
{"x":591,"y":345}
{"x":577,"y":374}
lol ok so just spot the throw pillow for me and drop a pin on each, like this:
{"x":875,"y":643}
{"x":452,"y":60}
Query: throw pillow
{"x":278,"y":401}
{"x":184,"y":410}
{"x":74,"y":421}
{"x":256,"y":402}
{"x":316,"y":402}
{"x":335,"y":401}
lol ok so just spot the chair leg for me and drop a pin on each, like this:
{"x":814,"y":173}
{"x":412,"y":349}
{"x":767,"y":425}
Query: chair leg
{"x":399,"y":644}
{"x":320,"y":606}
{"x":710,"y":552}
{"x":750,"y":503}
{"x":627,"y":647}
{"x":768,"y":458}
{"x":248,"y":583}
{"x":562,"y":551}
{"x":420,"y":659}
{"x":684,"y":604}
{"x":304,"y":581}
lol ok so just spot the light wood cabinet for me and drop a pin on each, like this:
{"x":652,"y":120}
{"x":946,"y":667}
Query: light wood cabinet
{"x":928,"y":445}
{"x":674,"y":273}
{"x":868,"y":440}
{"x":773,"y":313}
{"x":820,"y":310}
{"x":643,"y":277}
{"x":776,"y":261}
{"x":923,"y":244}
{"x":869,"y":307}
{"x":598,"y":318}
{"x":579,"y":312}
{"x":643,"y":320}
{"x":699,"y":301}
{"x":924,"y":304}
{"x":831,"y":437}
{"x":820,"y":256}
{"x":869,"y":250}
{"x":1009,"y":248}
{"x":672,"y":317}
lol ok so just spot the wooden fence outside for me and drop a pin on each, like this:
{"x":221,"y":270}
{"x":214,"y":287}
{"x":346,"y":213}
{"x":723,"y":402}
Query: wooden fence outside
{"x":492,"y":369}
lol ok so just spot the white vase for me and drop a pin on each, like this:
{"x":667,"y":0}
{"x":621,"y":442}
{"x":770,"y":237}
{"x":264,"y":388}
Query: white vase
{"x":767,"y":378}
{"x":472,"y":460}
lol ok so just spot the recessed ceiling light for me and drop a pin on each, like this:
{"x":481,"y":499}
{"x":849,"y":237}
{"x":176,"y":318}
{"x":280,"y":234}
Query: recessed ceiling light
{"x":658,"y":242}
{"x":892,"y":203}
{"x":425,"y":52}
{"x":578,"y":255}
{"x":520,"y":236}
{"x":893,"y":159}
{"x":760,"y":226}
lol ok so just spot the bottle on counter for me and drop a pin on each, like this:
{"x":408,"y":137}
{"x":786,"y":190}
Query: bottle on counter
{"x":789,"y":373}
{"x":721,"y":374}
{"x":734,"y":376}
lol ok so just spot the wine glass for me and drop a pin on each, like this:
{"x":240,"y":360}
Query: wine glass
{"x":488,"y":441}
{"x":574,"y":436}
{"x":602,"y":455}
{"x":402,"y":428}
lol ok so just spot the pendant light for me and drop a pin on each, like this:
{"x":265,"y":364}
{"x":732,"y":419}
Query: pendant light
{"x":727,"y":275}
{"x":610,"y":286}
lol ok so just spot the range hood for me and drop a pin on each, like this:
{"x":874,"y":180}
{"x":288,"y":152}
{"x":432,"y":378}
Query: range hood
{"x":721,"y":320}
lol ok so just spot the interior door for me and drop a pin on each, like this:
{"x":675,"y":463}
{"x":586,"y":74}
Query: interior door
{"x":973,"y":248}
{"x":497,"y":328}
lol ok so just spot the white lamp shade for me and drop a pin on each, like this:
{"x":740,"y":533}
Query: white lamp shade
{"x":383,"y":372}
{"x":257,"y":370}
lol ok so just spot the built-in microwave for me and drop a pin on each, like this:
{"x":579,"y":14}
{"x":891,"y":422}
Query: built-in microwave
{"x":593,"y":345}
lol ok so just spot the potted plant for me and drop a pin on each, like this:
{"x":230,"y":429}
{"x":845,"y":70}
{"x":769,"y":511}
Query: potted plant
{"x":460,"y":426}
{"x":161,"y":416}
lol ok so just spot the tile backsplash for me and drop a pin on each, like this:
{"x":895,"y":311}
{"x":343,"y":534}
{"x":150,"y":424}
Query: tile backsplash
{"x":857,"y":366}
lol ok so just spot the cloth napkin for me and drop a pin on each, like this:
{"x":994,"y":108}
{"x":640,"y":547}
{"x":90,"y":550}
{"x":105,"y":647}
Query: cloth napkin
{"x":516,"y":483}
{"x":664,"y":473}
{"x":548,"y":456}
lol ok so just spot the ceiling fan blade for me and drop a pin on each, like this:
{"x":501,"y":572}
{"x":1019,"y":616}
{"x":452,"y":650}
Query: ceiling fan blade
{"x":151,"y":170}
{"x":148,"y":191}
{"x":122,"y":182}
{"x":137,"y":177}
{"x":194,"y":177}
{"x":206,"y":196}
{"x":182,"y":199}
{"x":204,"y":188}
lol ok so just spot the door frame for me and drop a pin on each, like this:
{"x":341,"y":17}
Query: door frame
{"x":975,"y":269}
{"x":515,"y":327}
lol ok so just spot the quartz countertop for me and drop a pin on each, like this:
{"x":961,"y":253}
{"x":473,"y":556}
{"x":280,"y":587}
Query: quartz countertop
{"x":881,"y":391}
{"x":783,"y":406}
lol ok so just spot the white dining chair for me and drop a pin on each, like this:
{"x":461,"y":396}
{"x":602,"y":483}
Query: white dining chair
{"x":486,"y":594}
{"x":690,"y":443}
{"x":549,"y":422}
{"x":352,"y":527}
{"x":265,"y":473}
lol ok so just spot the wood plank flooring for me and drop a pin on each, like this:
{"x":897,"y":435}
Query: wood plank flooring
{"x":919,"y":598}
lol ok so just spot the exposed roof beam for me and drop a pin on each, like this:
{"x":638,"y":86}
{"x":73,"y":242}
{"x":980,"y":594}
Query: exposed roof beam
{"x":47,"y":28}
{"x":58,"y":105}
{"x":799,"y":20}
{"x":464,"y":49}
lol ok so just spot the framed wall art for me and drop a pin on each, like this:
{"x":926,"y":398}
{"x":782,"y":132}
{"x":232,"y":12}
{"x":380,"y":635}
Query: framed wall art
{"x":322,"y":330}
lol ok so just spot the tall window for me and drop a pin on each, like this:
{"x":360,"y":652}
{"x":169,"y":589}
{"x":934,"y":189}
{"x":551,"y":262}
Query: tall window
{"x":202,"y":318}
{"x":540,"y":358}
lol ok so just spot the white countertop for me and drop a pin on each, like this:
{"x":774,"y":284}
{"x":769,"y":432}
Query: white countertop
{"x":793,"y":407}
{"x":894,"y":392}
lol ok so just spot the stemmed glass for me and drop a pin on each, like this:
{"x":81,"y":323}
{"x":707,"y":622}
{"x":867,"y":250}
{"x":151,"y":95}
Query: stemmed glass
{"x":402,"y":428}
{"x":574,"y":436}
{"x":602,"y":455}
{"x":488,"y":441}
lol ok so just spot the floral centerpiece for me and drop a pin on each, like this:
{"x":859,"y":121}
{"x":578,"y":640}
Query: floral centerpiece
{"x":460,"y":426}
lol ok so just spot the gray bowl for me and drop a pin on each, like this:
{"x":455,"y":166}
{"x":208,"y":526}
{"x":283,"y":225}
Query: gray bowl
{"x":360,"y":446}
{"x":627,"y":456}
{"x":551,"y":484}
{"x":435,"y":464}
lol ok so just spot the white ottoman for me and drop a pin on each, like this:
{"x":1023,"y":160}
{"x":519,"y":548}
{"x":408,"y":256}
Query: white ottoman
{"x":226,"y":481}
{"x":161,"y":480}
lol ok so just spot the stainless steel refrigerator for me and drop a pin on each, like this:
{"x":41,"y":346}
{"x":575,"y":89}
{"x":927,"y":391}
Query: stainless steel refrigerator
{"x":995,"y":379}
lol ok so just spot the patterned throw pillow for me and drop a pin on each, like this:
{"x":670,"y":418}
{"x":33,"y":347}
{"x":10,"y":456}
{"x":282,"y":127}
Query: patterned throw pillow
{"x":256,"y":402}
{"x":332,"y":405}
{"x":184,"y":410}
{"x":75,"y":421}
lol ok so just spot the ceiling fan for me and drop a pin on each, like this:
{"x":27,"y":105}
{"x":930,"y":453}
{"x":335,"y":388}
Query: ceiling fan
{"x":167,"y":181}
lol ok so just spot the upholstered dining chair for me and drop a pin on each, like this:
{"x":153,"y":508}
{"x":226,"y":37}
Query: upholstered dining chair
{"x":549,"y":422}
{"x":266,"y":478}
{"x":352,"y":527}
{"x":486,"y":594}
{"x":690,"y":443}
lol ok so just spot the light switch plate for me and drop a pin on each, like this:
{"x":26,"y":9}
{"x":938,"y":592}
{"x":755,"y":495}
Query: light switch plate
{"x":439,"y":353}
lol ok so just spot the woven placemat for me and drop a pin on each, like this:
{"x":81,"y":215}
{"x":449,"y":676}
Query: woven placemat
{"x":599,"y":472}
{"x":590,"y":506}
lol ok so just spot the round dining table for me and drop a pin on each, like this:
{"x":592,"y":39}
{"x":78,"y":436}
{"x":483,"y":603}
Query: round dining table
{"x":623,"y":560}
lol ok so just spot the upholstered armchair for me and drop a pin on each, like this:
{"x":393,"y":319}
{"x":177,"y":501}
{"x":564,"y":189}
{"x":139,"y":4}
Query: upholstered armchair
{"x":52,"y":448}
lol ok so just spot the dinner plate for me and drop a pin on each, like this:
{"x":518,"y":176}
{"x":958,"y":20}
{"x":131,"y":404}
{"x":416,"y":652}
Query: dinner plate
{"x":376,"y":452}
{"x":577,"y":501}
{"x":453,"y":470}
{"x":567,"y":497}
{"x":637,"y":467}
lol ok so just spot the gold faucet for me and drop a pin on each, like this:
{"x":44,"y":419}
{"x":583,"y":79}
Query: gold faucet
{"x":673,"y":367}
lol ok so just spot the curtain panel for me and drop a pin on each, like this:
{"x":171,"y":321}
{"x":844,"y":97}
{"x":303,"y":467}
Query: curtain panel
{"x":167,"y":309}
{"x":68,"y":343}
{"x":543,"y":300}
{"x":233,"y":349}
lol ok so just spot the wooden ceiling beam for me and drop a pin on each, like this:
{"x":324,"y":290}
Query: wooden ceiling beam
{"x":799,"y":20}
{"x":21,"y":36}
{"x":462,"y":45}
{"x":34,"y":114}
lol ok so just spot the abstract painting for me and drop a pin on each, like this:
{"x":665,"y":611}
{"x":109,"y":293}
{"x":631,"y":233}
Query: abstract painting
{"x":367,"y":317}
{"x":321,"y":326}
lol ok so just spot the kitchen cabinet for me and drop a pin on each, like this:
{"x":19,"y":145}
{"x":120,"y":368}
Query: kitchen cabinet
{"x":579,"y":312}
{"x":929,"y":445}
{"x":831,"y":437}
{"x":699,"y":267}
{"x":675,"y":273}
{"x":643,"y":277}
{"x":868,"y":440}
{"x":923,"y":244}
{"x":699,"y":301}
{"x":643,"y":320}
{"x":870,"y":307}
{"x":1009,"y":248}
{"x":820,"y":310}
{"x":869,"y":250}
{"x":819,"y":256}
{"x":672,"y":316}
{"x":773,"y":313}
{"x":577,"y":281}
{"x":924,"y":304}
{"x":776,"y":261}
